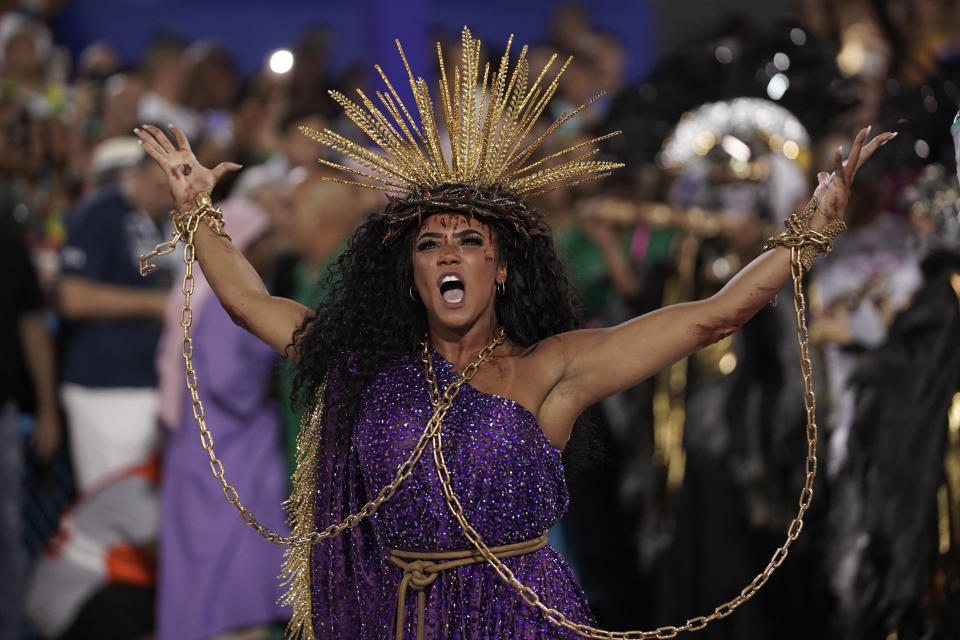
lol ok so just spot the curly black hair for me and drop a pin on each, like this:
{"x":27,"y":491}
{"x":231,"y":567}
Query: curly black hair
{"x":369,"y":318}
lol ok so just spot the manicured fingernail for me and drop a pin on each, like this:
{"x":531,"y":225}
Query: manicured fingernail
{"x":869,"y":127}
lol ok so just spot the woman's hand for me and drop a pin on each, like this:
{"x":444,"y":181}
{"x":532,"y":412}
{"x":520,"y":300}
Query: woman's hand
{"x":833,"y":189}
{"x":185,"y":175}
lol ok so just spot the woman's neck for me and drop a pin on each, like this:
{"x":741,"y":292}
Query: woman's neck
{"x":461,"y":348}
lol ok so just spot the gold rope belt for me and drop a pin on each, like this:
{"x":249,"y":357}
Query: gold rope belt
{"x":421,"y":568}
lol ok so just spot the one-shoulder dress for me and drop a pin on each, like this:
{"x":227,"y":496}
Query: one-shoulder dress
{"x":509,"y":479}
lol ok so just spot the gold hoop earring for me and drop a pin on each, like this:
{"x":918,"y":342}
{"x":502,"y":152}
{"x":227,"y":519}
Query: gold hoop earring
{"x":502,"y":288}
{"x":413,"y":295}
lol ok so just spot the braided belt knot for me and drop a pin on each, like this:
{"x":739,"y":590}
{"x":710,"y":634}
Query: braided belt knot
{"x":422,"y":568}
{"x":420,"y":574}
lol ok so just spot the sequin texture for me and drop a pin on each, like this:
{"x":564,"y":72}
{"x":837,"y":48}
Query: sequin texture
{"x":510,"y":481}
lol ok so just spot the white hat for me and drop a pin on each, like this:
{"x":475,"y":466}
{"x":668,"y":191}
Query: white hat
{"x":120,"y":152}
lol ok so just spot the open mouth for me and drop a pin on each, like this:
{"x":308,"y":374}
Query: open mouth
{"x":452,"y":289}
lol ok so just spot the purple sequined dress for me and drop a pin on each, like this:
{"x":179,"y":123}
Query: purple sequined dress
{"x":509,"y":479}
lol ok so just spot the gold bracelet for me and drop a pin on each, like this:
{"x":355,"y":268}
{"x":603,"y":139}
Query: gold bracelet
{"x":809,"y":243}
{"x":185,"y":223}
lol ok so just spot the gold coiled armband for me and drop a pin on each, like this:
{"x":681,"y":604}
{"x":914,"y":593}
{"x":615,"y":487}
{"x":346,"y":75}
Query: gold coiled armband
{"x":212,"y":216}
{"x":185,"y":225}
{"x":809,"y":243}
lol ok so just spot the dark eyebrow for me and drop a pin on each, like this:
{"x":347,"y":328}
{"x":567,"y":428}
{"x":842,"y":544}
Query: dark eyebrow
{"x":459,"y":234}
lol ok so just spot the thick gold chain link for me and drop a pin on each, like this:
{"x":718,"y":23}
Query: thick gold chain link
{"x":693,"y":624}
{"x":188,"y":228}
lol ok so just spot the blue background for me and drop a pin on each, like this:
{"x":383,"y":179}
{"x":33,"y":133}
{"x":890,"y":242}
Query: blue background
{"x":363,"y":29}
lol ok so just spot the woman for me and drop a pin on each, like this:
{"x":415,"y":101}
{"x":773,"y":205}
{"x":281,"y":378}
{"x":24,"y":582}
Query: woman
{"x":463,"y":264}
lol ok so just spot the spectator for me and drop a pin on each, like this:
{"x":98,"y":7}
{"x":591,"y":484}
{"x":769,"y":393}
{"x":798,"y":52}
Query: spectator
{"x":294,"y":150}
{"x":98,"y":62}
{"x":113,"y":322}
{"x":24,"y":45}
{"x":209,"y":73}
{"x":249,"y":134}
{"x":322,"y":216}
{"x":111,"y":158}
{"x":22,"y":335}
{"x":308,"y":78}
{"x":163,"y":70}
{"x":121,"y":95}
{"x":96,"y":577}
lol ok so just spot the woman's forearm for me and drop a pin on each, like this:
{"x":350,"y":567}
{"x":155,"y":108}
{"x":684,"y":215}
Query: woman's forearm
{"x":243,"y":295}
{"x":748,"y":291}
{"x":233,"y":279}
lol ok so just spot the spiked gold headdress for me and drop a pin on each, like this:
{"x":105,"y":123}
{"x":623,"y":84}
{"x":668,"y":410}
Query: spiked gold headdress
{"x":487,"y":132}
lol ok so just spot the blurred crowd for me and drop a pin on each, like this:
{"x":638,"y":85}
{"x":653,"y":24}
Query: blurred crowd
{"x":112,"y":526}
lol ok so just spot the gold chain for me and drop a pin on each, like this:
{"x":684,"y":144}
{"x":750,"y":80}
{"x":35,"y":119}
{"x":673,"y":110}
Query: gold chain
{"x":187,"y":227}
{"x":810,"y":243}
{"x":693,"y":624}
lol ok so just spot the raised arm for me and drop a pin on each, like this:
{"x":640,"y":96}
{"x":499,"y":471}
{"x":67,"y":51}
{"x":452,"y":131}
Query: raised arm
{"x":233,"y":280}
{"x":599,"y":363}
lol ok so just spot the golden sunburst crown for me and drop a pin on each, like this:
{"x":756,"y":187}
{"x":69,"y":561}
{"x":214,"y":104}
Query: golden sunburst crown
{"x":489,"y":125}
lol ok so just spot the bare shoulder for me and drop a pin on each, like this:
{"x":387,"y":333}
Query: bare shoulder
{"x":541,"y":370}
{"x":558,"y":351}
{"x":547,"y":362}
{"x":542,"y":362}
{"x":525,"y":374}
{"x":531,"y":377}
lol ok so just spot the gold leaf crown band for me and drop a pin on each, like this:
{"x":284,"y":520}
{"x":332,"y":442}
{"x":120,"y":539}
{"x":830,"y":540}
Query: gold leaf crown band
{"x":482,"y":203}
{"x":488,"y":126}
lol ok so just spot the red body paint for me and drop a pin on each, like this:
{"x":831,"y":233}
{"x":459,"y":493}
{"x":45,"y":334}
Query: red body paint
{"x":723,"y":327}
{"x":710,"y":334}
